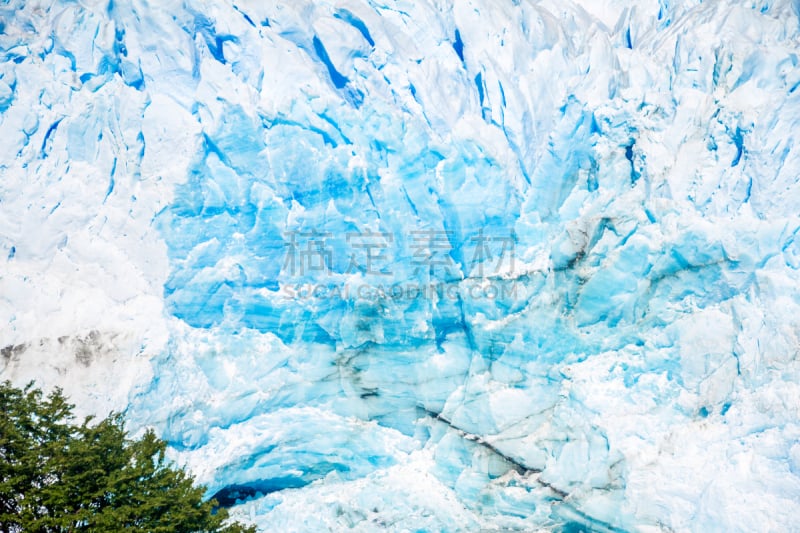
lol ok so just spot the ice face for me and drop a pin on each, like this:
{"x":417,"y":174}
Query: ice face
{"x":419,"y":266}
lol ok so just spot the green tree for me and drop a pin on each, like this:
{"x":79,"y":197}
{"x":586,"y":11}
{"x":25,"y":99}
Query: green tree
{"x":57,"y":475}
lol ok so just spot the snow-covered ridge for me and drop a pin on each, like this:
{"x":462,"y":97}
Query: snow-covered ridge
{"x":171,"y":171}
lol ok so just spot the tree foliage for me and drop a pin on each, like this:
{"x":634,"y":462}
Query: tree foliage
{"x":57,"y":475}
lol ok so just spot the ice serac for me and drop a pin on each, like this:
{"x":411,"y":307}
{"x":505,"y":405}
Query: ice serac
{"x":419,"y":265}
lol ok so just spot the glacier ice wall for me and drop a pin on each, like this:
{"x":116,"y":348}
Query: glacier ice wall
{"x":556,"y":251}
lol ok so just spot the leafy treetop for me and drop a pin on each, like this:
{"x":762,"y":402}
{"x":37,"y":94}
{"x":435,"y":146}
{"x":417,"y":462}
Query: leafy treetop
{"x":58,"y":476}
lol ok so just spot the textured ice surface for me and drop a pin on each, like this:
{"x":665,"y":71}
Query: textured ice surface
{"x":170,"y":171}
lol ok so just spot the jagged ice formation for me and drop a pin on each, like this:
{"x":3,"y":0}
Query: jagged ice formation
{"x":434,"y":266}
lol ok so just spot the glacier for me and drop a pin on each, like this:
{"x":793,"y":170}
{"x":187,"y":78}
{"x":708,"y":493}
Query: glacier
{"x":418,"y":266}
